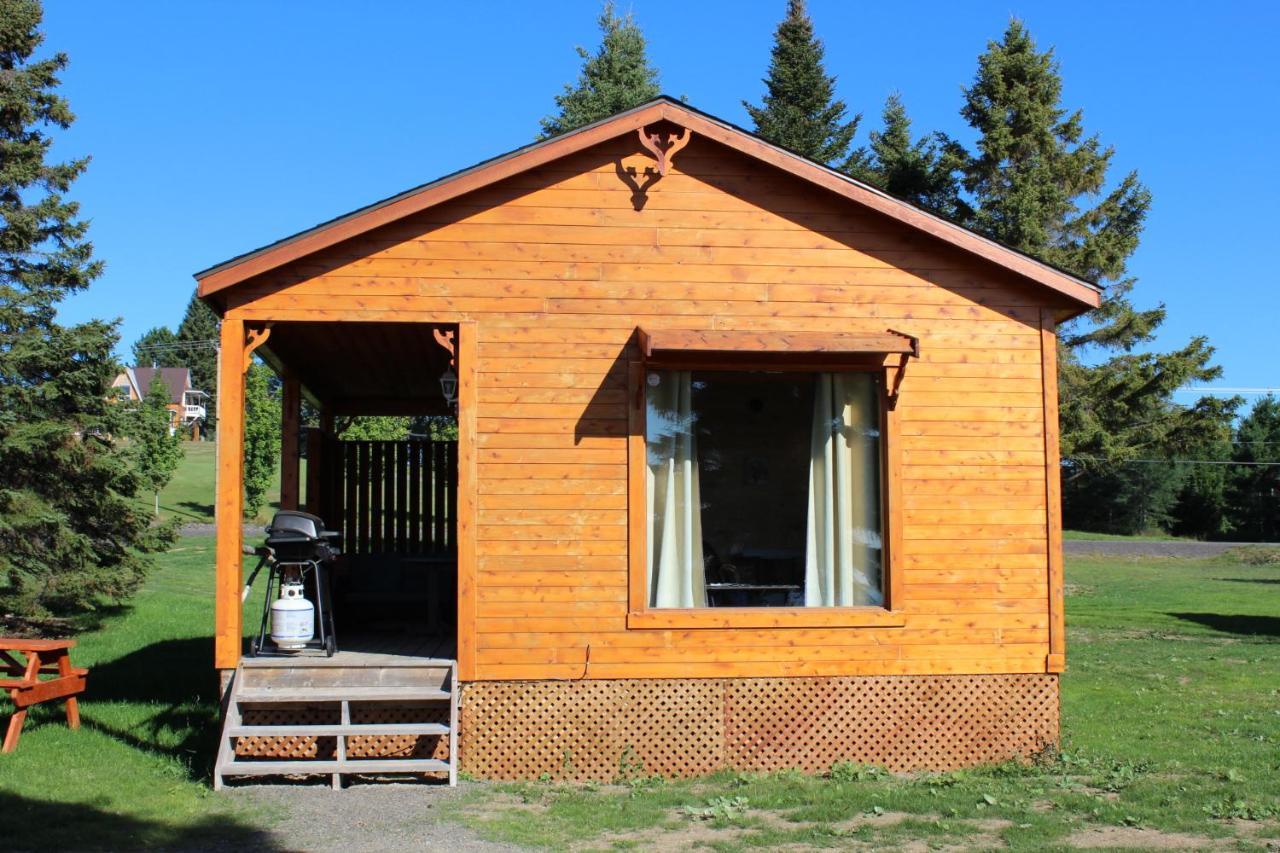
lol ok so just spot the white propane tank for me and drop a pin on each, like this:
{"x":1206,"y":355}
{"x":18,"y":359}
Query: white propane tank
{"x":292,"y":618}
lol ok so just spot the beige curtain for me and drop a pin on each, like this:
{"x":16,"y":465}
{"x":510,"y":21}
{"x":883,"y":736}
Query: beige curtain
{"x":843,"y":549}
{"x":677,"y":577}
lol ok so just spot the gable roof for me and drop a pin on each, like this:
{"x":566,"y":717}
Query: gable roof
{"x":231,"y":272}
{"x":175,"y":379}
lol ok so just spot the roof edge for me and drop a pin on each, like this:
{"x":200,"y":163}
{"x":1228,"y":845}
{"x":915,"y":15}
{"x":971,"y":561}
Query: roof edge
{"x":1085,"y":294}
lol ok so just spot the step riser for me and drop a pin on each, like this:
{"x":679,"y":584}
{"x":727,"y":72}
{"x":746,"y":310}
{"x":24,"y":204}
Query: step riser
{"x":367,"y":730}
{"x":338,"y":678}
{"x":304,"y":720}
{"x":301,"y":767}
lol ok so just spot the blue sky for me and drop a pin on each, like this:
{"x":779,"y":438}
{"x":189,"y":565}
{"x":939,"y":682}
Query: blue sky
{"x":218,"y":127}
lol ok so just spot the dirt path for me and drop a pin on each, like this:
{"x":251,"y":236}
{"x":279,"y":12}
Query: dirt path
{"x":365,"y":817}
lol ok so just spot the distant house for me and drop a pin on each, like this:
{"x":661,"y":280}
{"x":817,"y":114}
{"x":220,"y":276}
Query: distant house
{"x":185,"y":403}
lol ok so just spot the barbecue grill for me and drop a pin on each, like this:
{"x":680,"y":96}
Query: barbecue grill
{"x":297,"y":547}
{"x":300,"y":537}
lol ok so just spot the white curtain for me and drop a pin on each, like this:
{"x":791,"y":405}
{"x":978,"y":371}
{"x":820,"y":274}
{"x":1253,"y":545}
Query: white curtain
{"x":677,"y":577}
{"x":843,"y":548}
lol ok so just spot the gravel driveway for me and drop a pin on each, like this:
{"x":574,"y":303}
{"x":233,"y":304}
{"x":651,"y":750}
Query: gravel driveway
{"x":364,"y":817}
{"x":1148,"y":547}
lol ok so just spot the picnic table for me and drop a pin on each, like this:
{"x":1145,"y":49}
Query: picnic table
{"x":23,"y":662}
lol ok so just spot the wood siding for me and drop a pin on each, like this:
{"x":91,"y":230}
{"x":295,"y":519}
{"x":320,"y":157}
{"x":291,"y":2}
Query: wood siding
{"x":551,"y":272}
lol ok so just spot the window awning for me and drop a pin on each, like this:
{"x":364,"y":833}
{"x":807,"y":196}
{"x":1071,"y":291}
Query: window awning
{"x":665,"y":344}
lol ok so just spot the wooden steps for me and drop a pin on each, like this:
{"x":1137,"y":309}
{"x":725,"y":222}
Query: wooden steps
{"x":309,"y":687}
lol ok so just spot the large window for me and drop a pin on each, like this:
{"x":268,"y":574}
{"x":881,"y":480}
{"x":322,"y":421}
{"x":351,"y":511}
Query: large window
{"x":763,"y":489}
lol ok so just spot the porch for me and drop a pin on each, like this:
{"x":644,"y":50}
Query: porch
{"x":386,"y":701}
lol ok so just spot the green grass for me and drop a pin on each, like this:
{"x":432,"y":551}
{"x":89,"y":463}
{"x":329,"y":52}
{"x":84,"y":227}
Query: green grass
{"x":189,"y":495}
{"x":135,"y":774}
{"x":1171,"y":711}
{"x":1171,"y":721}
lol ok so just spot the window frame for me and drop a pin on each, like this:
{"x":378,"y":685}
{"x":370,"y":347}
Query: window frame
{"x":642,"y":616}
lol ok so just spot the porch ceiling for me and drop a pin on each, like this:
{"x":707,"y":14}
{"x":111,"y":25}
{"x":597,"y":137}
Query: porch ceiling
{"x":362,"y":368}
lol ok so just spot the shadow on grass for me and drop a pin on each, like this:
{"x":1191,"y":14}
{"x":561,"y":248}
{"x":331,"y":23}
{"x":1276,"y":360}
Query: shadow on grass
{"x":1250,"y":580}
{"x":197,"y":510}
{"x":32,"y":824}
{"x":175,"y":678}
{"x":1244,"y":625}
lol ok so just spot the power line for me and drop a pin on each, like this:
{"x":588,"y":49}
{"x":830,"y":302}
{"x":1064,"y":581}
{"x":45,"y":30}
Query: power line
{"x":1223,"y":390}
{"x":180,"y":345}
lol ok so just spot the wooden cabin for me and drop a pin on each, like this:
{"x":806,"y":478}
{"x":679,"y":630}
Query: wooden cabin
{"x":756,"y":467}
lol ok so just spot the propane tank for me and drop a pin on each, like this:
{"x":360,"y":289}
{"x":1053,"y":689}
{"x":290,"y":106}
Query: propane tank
{"x":292,"y":618}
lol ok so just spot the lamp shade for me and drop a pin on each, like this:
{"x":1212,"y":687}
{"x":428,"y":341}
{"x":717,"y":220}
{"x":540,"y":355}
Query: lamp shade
{"x":449,"y":385}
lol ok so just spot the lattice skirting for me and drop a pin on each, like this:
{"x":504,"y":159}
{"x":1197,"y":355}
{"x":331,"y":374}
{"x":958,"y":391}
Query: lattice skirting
{"x":358,"y":746}
{"x":603,"y":730}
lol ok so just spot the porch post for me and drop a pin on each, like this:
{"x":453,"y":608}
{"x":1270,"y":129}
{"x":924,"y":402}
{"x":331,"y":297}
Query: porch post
{"x":291,"y":412}
{"x":229,"y":502}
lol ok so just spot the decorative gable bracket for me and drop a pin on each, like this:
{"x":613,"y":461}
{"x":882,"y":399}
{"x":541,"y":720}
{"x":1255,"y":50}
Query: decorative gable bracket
{"x":664,"y":145}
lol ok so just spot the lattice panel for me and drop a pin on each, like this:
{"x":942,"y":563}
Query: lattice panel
{"x":900,"y":723}
{"x":358,"y":746}
{"x":600,"y":730}
{"x":398,"y":746}
{"x":584,"y":730}
{"x":291,"y":746}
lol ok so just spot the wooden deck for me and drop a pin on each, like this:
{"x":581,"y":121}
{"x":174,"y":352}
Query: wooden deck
{"x":368,"y":649}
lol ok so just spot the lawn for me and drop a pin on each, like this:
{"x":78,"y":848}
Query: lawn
{"x":1171,"y":716}
{"x":189,"y":495}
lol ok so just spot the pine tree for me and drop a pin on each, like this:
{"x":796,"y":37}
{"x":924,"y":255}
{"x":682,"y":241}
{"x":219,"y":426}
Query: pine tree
{"x":70,"y":531}
{"x":198,"y":334}
{"x":922,"y":172}
{"x":617,"y":78}
{"x":800,"y":111}
{"x":1037,"y":183}
{"x":261,"y":437}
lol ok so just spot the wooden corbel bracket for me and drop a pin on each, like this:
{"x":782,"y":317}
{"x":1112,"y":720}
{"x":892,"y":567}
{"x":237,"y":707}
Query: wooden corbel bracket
{"x":664,"y":145}
{"x":900,"y":370}
{"x":254,"y":338}
{"x":445,"y":339}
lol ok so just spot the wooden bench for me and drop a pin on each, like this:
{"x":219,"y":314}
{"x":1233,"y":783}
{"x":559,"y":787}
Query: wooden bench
{"x":25,"y":687}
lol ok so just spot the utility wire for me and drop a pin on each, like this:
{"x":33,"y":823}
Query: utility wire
{"x":1211,"y":390}
{"x":177,"y":346}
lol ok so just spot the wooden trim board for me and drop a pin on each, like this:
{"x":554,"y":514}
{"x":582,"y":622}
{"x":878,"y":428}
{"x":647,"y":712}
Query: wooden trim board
{"x":1056,"y":661}
{"x":229,"y":495}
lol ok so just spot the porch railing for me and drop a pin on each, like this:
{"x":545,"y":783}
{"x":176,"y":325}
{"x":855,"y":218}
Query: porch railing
{"x":386,"y":497}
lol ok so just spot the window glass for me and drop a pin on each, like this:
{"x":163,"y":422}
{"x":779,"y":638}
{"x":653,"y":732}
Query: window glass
{"x":763,"y":489}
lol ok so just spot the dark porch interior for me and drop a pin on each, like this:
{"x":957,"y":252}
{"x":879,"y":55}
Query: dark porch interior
{"x":394,"y":502}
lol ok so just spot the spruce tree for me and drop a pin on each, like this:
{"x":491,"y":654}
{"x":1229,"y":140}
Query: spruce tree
{"x":616,"y":78}
{"x":70,"y":532}
{"x":1037,"y":183}
{"x":921,"y":171}
{"x":155,"y":348}
{"x":198,"y":336}
{"x":1202,"y":511}
{"x":800,"y":111}
{"x":1253,"y":493}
